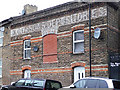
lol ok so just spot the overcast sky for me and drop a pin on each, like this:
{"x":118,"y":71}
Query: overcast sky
{"x":11,"y":8}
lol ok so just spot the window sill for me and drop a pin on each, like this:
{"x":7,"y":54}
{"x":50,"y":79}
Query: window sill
{"x":26,"y":58}
{"x":78,"y":52}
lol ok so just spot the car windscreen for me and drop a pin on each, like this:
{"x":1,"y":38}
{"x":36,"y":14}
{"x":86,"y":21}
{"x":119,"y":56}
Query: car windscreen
{"x":116,"y":84}
{"x":20,"y":83}
{"x":80,"y":83}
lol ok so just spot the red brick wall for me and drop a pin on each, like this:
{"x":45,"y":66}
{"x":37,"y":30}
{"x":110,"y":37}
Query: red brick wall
{"x":50,"y":48}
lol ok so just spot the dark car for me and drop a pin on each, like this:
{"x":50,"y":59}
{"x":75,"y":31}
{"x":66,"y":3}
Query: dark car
{"x":34,"y":84}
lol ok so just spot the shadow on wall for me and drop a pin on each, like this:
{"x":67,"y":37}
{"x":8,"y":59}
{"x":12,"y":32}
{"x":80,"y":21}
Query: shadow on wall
{"x":119,"y":27}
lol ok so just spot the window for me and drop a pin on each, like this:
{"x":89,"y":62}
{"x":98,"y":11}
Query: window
{"x":20,"y":83}
{"x":27,"y":74}
{"x":80,"y":83}
{"x":79,"y":73}
{"x":91,"y":85}
{"x":50,"y":48}
{"x":78,"y":41}
{"x":116,"y":84}
{"x":28,"y":83}
{"x":1,"y":38}
{"x":0,"y":68}
{"x":27,"y":49}
{"x":53,"y":85}
{"x":38,"y":83}
{"x":102,"y":84}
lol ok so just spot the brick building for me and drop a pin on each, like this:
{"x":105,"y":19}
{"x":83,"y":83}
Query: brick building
{"x":54,"y":43}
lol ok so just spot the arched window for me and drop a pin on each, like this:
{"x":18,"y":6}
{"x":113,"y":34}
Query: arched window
{"x":27,"y":74}
{"x":79,"y":73}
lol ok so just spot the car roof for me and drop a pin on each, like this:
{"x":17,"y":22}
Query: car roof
{"x":32,"y":79}
{"x":100,"y":78}
{"x":38,"y":79}
{"x":95,"y":78}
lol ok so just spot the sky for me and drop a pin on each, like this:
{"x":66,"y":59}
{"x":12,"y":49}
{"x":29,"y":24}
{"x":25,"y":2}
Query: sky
{"x":11,"y":8}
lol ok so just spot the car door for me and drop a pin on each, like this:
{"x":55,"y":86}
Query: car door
{"x":12,"y":87}
{"x":91,"y":83}
{"x":52,"y":85}
{"x":102,"y":84}
{"x":18,"y":85}
{"x":27,"y":85}
{"x":80,"y":83}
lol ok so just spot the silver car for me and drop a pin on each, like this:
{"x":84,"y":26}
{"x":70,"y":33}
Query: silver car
{"x":94,"y":82}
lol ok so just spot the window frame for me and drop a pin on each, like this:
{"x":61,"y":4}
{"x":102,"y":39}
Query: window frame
{"x":26,"y":72}
{"x":52,"y":84}
{"x":25,"y":49}
{"x":78,"y":83}
{"x":1,"y":37}
{"x":1,"y":67}
{"x":89,"y":82}
{"x":101,"y":82}
{"x":36,"y":83}
{"x":77,"y":41}
{"x":20,"y":85}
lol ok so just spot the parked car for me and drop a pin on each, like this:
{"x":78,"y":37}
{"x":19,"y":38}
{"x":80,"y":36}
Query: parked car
{"x":93,"y":82}
{"x":34,"y":84}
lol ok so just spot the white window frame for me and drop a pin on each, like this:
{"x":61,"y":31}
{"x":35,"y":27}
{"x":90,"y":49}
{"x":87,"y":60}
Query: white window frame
{"x":1,"y":67}
{"x":1,"y":37}
{"x":27,"y":49}
{"x":79,"y":73}
{"x":77,"y":41}
{"x":27,"y":74}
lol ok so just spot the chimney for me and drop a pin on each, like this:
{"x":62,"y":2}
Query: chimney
{"x":29,"y":9}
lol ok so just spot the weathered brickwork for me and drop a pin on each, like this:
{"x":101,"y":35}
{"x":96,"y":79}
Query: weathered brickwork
{"x":113,"y":41}
{"x":113,"y":23}
{"x":55,"y":58}
{"x":6,"y":57}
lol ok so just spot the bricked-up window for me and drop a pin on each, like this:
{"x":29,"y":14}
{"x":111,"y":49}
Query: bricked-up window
{"x":0,"y":67}
{"x":1,"y":38}
{"x":50,"y":48}
{"x":78,"y":41}
{"x":27,"y":49}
